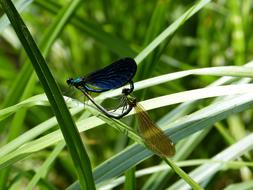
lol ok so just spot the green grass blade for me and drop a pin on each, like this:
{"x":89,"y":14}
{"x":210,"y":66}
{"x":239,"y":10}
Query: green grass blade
{"x":20,"y":5}
{"x":236,"y":71}
{"x":24,"y":85}
{"x":194,"y":122}
{"x":43,"y":170}
{"x":157,"y":22}
{"x":183,"y":175}
{"x":207,"y":170}
{"x":164,"y":167}
{"x":93,"y":122}
{"x":56,"y":100}
{"x":108,"y":40}
{"x":246,"y":185}
{"x":130,"y":182}
{"x":183,"y":127}
{"x":170,"y":30}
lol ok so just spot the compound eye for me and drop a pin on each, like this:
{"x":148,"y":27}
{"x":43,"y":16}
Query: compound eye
{"x":126,"y":91}
{"x":69,"y":81}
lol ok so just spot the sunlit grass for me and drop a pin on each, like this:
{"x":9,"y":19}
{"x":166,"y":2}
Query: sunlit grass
{"x":204,"y":108}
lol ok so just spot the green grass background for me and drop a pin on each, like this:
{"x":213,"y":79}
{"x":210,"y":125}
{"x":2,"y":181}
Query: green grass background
{"x":194,"y":74}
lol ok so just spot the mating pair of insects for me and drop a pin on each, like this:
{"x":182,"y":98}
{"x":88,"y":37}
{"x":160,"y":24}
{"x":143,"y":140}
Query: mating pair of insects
{"x":117,"y":75}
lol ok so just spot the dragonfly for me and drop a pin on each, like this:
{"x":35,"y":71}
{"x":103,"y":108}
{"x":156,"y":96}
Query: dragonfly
{"x":126,"y":108}
{"x":110,"y":77}
{"x":153,"y":136}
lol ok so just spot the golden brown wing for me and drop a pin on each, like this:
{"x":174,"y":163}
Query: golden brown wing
{"x":153,"y":136}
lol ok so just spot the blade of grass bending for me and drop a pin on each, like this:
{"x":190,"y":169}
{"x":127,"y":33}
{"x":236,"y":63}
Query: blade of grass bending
{"x":43,"y":170}
{"x":68,"y":128}
{"x":205,"y":171}
{"x":170,"y":30}
{"x":183,"y":175}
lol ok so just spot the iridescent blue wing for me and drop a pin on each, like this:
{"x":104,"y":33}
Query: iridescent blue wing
{"x":113,"y":76}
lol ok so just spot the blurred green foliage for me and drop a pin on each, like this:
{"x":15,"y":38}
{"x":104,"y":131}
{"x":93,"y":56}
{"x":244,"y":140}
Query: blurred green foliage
{"x":100,"y":32}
